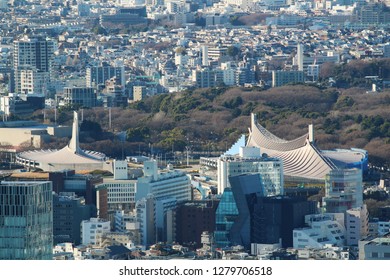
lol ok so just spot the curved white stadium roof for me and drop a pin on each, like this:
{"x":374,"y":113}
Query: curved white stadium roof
{"x":301,"y":157}
{"x":69,"y":155}
{"x":64,"y":156}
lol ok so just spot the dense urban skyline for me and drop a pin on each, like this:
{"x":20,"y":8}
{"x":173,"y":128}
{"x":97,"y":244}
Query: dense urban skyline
{"x":259,"y":196}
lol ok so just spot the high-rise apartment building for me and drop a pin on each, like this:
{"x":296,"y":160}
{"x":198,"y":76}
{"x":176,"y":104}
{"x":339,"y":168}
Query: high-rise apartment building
{"x":281,"y":77}
{"x":26,"y":220}
{"x":162,"y":190}
{"x":33,"y":64}
{"x":98,"y":75}
{"x":77,"y":96}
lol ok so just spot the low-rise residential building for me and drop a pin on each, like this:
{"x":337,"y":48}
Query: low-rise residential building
{"x":281,"y":78}
{"x":92,"y":231}
{"x":375,"y":248}
{"x":323,"y":230}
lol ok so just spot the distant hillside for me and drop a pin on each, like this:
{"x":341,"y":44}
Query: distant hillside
{"x":213,"y":119}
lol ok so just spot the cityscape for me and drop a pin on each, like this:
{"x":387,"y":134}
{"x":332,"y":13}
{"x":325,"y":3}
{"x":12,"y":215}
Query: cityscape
{"x":195,"y":129}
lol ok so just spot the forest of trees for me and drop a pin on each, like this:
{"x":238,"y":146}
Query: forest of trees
{"x":214,"y":118}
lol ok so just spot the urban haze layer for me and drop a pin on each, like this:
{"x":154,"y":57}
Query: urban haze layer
{"x":183,"y":129}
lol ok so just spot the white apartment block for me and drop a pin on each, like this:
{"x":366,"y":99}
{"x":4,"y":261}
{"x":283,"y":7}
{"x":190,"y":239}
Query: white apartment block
{"x":323,"y":230}
{"x":32,"y":81}
{"x":146,"y":221}
{"x":171,"y":183}
{"x":229,"y":74}
{"x":120,"y":193}
{"x":32,"y":55}
{"x":120,"y":190}
{"x":126,"y":221}
{"x":92,"y":231}
{"x":356,"y":224}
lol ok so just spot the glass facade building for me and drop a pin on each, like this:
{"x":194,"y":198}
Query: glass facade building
{"x":250,"y":161}
{"x":26,"y":220}
{"x":225,"y":217}
{"x":245,"y":215}
{"x":343,"y":190}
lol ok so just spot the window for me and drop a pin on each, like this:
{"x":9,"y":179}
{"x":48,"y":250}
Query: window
{"x":374,"y":255}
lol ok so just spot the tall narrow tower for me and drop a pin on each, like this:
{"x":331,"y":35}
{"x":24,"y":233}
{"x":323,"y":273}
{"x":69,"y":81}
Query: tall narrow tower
{"x":205,"y":56}
{"x":74,"y":142}
{"x":300,"y":56}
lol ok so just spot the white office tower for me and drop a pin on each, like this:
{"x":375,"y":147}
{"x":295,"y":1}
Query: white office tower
{"x":162,"y":191}
{"x":33,"y":61}
{"x":299,"y":57}
{"x":323,"y":230}
{"x":172,"y":183}
{"x":250,"y":161}
{"x":229,"y":74}
{"x":356,"y":224}
{"x":120,"y":190}
{"x":343,"y":190}
{"x":146,"y":221}
{"x":92,"y":231}
{"x":205,"y":55}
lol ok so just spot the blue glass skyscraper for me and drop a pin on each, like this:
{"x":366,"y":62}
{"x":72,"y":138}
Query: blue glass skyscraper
{"x":26,"y":221}
{"x":225,"y":217}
